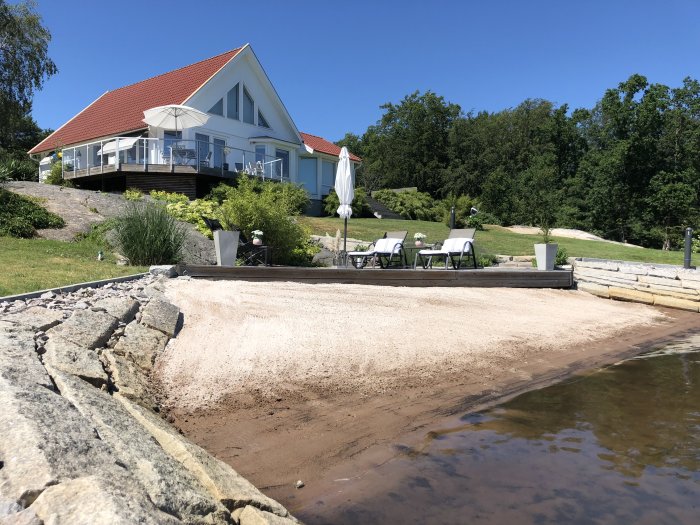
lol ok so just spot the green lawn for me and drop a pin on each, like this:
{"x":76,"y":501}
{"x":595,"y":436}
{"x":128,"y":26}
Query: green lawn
{"x":35,"y":264}
{"x":493,"y":240}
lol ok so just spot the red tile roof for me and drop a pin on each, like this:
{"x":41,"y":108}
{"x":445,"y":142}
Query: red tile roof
{"x":320,"y":144}
{"x":121,"y":110}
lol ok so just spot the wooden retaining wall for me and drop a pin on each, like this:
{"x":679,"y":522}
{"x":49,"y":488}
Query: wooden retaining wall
{"x":508,"y":278}
{"x":657,"y":284}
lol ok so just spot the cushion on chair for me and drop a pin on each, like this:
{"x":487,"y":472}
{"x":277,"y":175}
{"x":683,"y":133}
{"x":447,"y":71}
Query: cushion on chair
{"x":455,"y":245}
{"x":387,"y":245}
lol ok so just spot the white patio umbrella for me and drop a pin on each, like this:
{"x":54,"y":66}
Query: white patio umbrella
{"x":346,"y":192}
{"x":172,"y":115}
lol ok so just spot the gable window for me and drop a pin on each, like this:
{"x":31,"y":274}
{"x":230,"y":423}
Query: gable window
{"x":232,"y":103}
{"x":248,"y":105}
{"x":261,"y":121}
{"x":218,"y":108}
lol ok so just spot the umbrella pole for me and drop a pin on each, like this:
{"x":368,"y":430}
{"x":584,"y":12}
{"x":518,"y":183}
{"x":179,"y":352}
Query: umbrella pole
{"x":345,"y":244}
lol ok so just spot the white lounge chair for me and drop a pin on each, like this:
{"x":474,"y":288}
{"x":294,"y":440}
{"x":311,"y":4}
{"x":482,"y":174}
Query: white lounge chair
{"x":457,"y":246}
{"x":384,"y":251}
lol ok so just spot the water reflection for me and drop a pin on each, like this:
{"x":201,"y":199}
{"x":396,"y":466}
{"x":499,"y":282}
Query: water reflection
{"x":621,"y":445}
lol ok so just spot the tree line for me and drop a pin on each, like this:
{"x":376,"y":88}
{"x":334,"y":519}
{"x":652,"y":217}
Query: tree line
{"x":626,"y":169}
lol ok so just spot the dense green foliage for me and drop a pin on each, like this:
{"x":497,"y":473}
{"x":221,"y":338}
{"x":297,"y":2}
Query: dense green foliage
{"x":180,"y":207}
{"x":627,"y":169}
{"x":24,"y":66}
{"x":415,"y":205}
{"x":20,"y":216}
{"x":359,"y":205}
{"x":146,"y":234}
{"x":272,"y":208}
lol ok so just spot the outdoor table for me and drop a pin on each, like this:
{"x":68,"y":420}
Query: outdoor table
{"x":184,"y":155}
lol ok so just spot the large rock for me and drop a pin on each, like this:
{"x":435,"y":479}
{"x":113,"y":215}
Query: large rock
{"x":141,"y":344}
{"x":36,"y":318}
{"x":253,"y":516}
{"x":595,"y":289}
{"x":635,"y":296}
{"x":122,"y":308}
{"x":44,"y":441}
{"x":171,"y":487}
{"x":662,"y":281}
{"x":128,"y":378}
{"x":86,"y":328}
{"x":19,"y":363}
{"x":604,"y":274}
{"x":72,"y":359}
{"x":222,"y":481}
{"x":674,"y":302}
{"x":162,"y":316}
{"x":94,"y":499}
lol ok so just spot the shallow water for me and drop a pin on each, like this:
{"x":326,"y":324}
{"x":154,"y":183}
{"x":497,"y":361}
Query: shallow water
{"x":621,"y":445}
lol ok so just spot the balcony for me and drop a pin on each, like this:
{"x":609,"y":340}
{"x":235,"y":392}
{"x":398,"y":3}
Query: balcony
{"x":142,"y":155}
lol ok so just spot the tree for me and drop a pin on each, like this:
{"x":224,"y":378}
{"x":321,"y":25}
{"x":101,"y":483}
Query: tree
{"x":24,"y":66}
{"x":408,"y":146}
{"x":671,"y":201}
{"x":24,"y":60}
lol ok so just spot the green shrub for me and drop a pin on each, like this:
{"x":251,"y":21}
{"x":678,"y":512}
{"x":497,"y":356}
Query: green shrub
{"x":13,"y":169}
{"x":485,"y":259}
{"x":146,"y":234}
{"x":20,"y":216}
{"x":255,"y":205}
{"x":55,"y":176}
{"x":293,"y":196}
{"x":169,"y":198}
{"x":414,"y":205}
{"x":359,"y":205}
{"x":561,"y":257}
{"x":133,"y":194}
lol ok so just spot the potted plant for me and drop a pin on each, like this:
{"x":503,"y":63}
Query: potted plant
{"x":419,"y":238}
{"x":257,"y":237}
{"x":546,"y":251}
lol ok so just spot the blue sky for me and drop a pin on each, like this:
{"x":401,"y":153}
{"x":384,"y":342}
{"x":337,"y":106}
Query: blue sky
{"x":334,"y":63}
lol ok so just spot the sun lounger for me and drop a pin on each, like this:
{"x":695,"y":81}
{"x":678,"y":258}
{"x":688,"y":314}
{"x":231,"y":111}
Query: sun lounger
{"x":386,"y":251}
{"x":458,"y":245}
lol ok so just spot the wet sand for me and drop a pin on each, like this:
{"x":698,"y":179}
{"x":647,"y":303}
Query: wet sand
{"x":283,"y":384}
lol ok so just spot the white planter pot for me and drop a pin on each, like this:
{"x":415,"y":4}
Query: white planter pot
{"x":546,"y":255}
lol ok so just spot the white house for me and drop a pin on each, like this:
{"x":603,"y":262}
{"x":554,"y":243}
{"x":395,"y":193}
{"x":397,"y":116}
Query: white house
{"x":108,"y":146}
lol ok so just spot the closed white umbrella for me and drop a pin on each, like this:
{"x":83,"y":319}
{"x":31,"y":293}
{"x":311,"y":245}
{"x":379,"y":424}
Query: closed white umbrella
{"x":174,"y":116}
{"x":346,"y":192}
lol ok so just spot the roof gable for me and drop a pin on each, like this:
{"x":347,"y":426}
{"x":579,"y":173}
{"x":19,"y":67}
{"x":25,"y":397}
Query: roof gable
{"x":323,"y":146}
{"x":121,"y":110}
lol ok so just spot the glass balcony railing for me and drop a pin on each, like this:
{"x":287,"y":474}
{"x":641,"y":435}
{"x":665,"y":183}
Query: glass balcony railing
{"x":121,"y":153}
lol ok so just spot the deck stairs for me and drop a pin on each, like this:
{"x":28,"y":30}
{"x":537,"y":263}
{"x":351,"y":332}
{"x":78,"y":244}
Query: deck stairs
{"x":380,"y":211}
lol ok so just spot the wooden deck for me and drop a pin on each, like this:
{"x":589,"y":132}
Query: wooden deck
{"x":482,"y":278}
{"x":109,"y":169}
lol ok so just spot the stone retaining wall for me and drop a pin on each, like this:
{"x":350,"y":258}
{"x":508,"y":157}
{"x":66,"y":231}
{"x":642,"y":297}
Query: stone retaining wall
{"x":656,"y":284}
{"x":80,"y":438}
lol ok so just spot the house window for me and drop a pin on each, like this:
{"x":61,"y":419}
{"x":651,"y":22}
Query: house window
{"x":307,"y":175}
{"x":327,"y":177}
{"x":259,"y":153}
{"x":232,"y":103}
{"x":284,"y":155}
{"x":261,"y":121}
{"x":219,"y":145}
{"x":218,"y":108}
{"x":248,"y":105}
{"x":202,"y":146}
{"x":170,"y":138}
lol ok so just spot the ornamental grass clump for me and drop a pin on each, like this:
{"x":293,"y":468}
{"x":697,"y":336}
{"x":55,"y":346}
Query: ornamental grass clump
{"x":146,"y":234}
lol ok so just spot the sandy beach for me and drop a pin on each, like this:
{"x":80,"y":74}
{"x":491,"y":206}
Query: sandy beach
{"x":288,"y":381}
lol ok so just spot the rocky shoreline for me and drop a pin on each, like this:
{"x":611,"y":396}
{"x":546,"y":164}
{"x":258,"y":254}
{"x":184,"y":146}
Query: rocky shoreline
{"x":81,"y":437}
